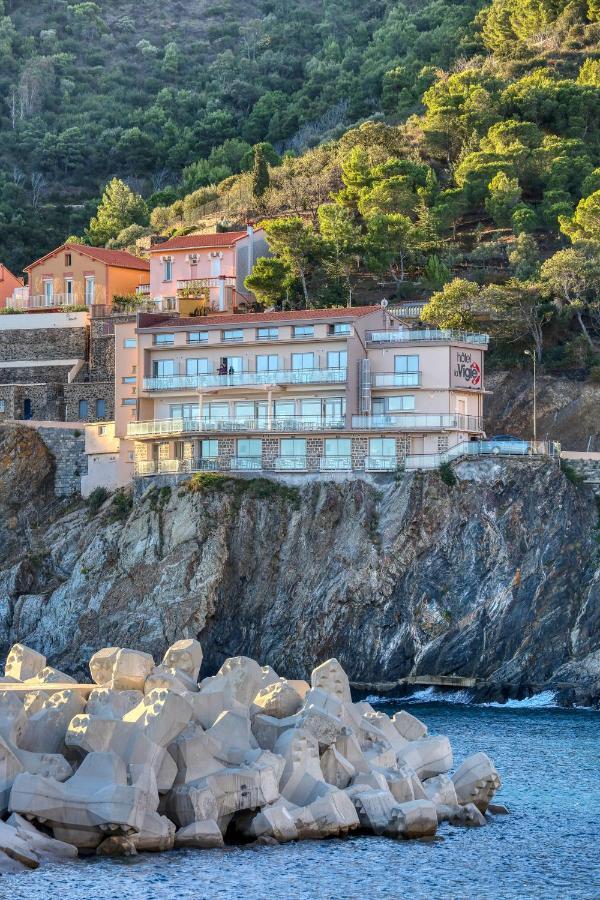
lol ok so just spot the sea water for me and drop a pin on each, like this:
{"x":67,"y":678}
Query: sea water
{"x":548,"y":847}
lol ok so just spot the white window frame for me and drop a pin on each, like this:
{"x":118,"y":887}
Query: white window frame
{"x":167,"y":270}
{"x":90,"y":289}
{"x":48,"y":294}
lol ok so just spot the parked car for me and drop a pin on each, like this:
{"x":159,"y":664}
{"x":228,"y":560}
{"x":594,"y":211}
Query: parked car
{"x":506,"y":444}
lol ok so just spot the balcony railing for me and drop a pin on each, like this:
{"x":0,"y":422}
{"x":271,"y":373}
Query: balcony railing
{"x":245,"y":379}
{"x":142,"y":289}
{"x":335,"y":463}
{"x":426,"y":335}
{"x":243,"y":463}
{"x":40,"y":301}
{"x":158,"y":427}
{"x":407,"y":311}
{"x":192,"y":284}
{"x":381,"y":463}
{"x":419,"y":421}
{"x":290,"y":463}
{"x":397,"y":379}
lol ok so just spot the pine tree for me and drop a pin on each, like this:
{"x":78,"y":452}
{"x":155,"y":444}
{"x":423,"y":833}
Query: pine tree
{"x":118,"y":208}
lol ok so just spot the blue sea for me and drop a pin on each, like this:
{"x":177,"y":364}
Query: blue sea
{"x":549,"y":760}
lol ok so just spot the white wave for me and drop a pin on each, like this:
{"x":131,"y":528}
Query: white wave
{"x":543,"y":700}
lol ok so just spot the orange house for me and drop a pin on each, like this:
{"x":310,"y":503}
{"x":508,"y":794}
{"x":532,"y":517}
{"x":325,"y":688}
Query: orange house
{"x":8,"y":282}
{"x":77,"y":275}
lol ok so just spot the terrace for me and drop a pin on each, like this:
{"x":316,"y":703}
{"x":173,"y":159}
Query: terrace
{"x":245,"y":379}
{"x":426,"y":335}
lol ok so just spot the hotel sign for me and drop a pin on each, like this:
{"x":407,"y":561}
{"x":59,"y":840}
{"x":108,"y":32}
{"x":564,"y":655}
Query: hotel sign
{"x":466,"y":369}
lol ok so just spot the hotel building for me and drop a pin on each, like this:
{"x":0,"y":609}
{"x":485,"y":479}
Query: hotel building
{"x":319,"y":390}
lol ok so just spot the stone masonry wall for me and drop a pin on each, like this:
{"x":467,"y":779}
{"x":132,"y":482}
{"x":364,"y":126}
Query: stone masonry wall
{"x":90,"y":391}
{"x":47,"y":401}
{"x":43,"y":343}
{"x":102,"y":351}
{"x":68,"y":448}
{"x":35,"y":375}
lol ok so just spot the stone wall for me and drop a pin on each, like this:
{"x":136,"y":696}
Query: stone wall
{"x":92,"y":391}
{"x":43,"y":343}
{"x":102,"y":351}
{"x":47,"y":401}
{"x":35,"y":374}
{"x":67,"y":445}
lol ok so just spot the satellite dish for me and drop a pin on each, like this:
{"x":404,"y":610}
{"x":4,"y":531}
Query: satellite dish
{"x":384,"y":303}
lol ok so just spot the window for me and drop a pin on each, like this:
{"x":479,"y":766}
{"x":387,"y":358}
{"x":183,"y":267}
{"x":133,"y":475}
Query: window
{"x":83,"y":409}
{"x":382,"y":447}
{"x":335,"y":408}
{"x":233,"y":334}
{"x":68,"y":290}
{"x":310,"y":410}
{"x":293,"y":447}
{"x":90,"y":287}
{"x":197,"y":337}
{"x":167,"y":270}
{"x":217,"y":412}
{"x":196,"y":367}
{"x":400,"y":404}
{"x":128,"y":401}
{"x":102,"y":429}
{"x":303,"y":361}
{"x":163,"y":368}
{"x":249,"y":448}
{"x":230,"y":365}
{"x":100,"y":408}
{"x":67,"y":259}
{"x":337,"y":359}
{"x":406,"y":364}
{"x":267,"y":334}
{"x":339,"y":328}
{"x":303,"y":331}
{"x":285,"y":409}
{"x":338,"y":446}
{"x":2,"y":406}
{"x":130,"y":343}
{"x":209,"y":448}
{"x":267,"y":363}
{"x":128,"y":379}
{"x":164,"y":339}
{"x":244,"y":410}
{"x":184,"y":411}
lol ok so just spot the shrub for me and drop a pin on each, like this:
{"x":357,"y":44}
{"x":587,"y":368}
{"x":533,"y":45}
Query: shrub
{"x":96,"y":499}
{"x":121,"y":506}
{"x":447,"y":474}
{"x":570,"y":472}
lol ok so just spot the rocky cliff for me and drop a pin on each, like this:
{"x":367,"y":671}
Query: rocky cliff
{"x":567,"y":409}
{"x":497,"y":576}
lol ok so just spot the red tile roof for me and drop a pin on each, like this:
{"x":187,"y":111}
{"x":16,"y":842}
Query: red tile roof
{"x":199,"y":241}
{"x":355,"y":312}
{"x":119,"y":258}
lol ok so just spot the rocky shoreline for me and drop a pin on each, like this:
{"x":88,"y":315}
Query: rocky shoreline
{"x":148,"y":759}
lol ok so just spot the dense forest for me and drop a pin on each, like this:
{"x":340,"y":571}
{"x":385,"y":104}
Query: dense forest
{"x":432,"y":150}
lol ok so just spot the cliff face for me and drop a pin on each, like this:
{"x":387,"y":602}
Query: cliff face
{"x":497,"y":576}
{"x":567,"y":410}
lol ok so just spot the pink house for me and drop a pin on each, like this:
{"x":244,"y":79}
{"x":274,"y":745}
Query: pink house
{"x":213,"y":265}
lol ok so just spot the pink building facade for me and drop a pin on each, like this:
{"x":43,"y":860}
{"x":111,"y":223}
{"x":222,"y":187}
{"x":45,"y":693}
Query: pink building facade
{"x":301,"y":391}
{"x":185,"y":267}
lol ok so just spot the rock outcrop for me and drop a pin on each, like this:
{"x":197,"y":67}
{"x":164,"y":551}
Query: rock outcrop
{"x":156,"y":777}
{"x":497,"y":577}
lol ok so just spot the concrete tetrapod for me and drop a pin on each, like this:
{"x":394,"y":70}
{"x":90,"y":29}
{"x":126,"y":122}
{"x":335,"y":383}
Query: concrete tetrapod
{"x":246,"y":754}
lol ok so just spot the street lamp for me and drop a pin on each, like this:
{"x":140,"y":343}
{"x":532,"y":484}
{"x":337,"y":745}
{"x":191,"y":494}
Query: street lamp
{"x":531,"y":353}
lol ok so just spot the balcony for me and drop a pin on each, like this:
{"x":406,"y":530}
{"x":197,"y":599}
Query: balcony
{"x":143,"y":290}
{"x":245,"y":379}
{"x":397,"y":379}
{"x":407,"y":310}
{"x":381,"y":463}
{"x":426,"y":335}
{"x":290,"y":463}
{"x":193,"y":285}
{"x":246,"y":463}
{"x":335,"y":463}
{"x":160,"y":427}
{"x":419,"y":422}
{"x":174,"y":466}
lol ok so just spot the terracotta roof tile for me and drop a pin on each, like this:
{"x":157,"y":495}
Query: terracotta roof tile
{"x":119,"y":258}
{"x":341,"y":313}
{"x":199,"y":241}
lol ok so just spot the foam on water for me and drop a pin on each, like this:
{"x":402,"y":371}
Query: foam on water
{"x":543,"y":700}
